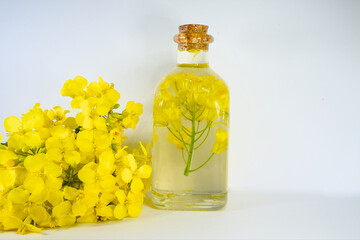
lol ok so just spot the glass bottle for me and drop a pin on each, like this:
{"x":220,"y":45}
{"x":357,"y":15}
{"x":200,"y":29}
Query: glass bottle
{"x":190,"y":135}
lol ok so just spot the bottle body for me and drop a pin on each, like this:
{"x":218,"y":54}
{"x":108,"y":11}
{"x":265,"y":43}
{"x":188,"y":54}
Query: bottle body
{"x":191,"y":113}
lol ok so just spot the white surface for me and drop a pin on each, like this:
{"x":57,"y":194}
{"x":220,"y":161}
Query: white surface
{"x":248,"y":215}
{"x":293,"y":69}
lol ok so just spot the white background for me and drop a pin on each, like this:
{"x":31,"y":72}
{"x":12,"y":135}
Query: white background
{"x":293,"y":69}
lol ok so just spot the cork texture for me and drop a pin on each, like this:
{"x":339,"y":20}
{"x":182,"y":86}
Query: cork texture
{"x":193,"y":37}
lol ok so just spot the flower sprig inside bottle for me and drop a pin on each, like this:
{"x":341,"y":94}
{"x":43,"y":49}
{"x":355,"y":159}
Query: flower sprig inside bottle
{"x":57,"y":170}
{"x":189,"y":107}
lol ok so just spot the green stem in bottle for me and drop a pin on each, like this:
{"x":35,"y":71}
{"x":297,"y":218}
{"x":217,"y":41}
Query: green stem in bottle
{"x":185,"y":116}
{"x":207,"y":134}
{"x":182,"y":153}
{"x":191,"y":147}
{"x":186,"y":131}
{"x":193,"y":170}
{"x":181,"y":140}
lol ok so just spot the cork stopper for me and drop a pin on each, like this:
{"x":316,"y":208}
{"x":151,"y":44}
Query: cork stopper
{"x":193,"y":37}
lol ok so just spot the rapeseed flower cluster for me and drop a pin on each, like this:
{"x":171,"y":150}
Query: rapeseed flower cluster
{"x":189,"y":106}
{"x":57,"y":170}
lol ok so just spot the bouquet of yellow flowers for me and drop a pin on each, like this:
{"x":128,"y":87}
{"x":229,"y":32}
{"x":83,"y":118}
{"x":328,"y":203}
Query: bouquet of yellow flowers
{"x":57,"y":170}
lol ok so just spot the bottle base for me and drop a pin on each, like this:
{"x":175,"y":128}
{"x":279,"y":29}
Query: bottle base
{"x":188,"y":200}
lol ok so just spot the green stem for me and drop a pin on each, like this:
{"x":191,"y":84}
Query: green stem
{"x":183,"y":141}
{"x":191,"y":147}
{"x":186,"y":131}
{"x":177,"y":137}
{"x":198,"y":125}
{"x":182,"y":152}
{"x":185,"y":116}
{"x":200,"y":113}
{"x":193,"y":170}
{"x":207,"y":134}
{"x":203,"y":130}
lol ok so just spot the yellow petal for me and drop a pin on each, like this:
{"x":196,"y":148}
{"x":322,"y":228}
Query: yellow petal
{"x":54,"y":183}
{"x":131,"y":121}
{"x":18,"y":210}
{"x":74,"y":87}
{"x":88,"y":217}
{"x":134,"y":210}
{"x":32,"y":228}
{"x":106,"y":162}
{"x":40,"y":196}
{"x":126,"y":175}
{"x":84,"y":141}
{"x":55,"y":197}
{"x":85,"y":107}
{"x":44,"y":133}
{"x":134,"y":203}
{"x":102,"y":109}
{"x":19,"y":174}
{"x":11,"y":222}
{"x":121,"y":196}
{"x":100,"y":123}
{"x":16,"y":141}
{"x":34,"y":119}
{"x":61,"y":209}
{"x":145,"y":171}
{"x":135,"y":197}
{"x":120,"y":212}
{"x":53,"y":142}
{"x":80,"y":119}
{"x":88,"y":123}
{"x":143,"y":148}
{"x":134,"y":108}
{"x":54,"y":154}
{"x":75,"y":103}
{"x":108,"y":182}
{"x":7,"y":179}
{"x":112,"y":96}
{"x":34,"y":163}
{"x":52,"y":169}
{"x":119,"y":180}
{"x":92,"y":189}
{"x":105,"y":211}
{"x":66,"y":220}
{"x":221,"y":141}
{"x":34,"y":183}
{"x":129,"y":161}
{"x":86,"y":175}
{"x":72,"y":158}
{"x":32,"y":139}
{"x":12,"y":124}
{"x":102,"y":139}
{"x":39,"y":214}
{"x":70,"y":193}
{"x":18,"y":195}
{"x":94,"y":89}
{"x":7,"y":156}
{"x":106,"y":198}
{"x":60,"y":132}
{"x":137,"y":185}
{"x":70,"y":122}
{"x":79,"y":208}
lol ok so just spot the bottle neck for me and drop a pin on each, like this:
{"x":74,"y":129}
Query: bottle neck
{"x":193,"y":58}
